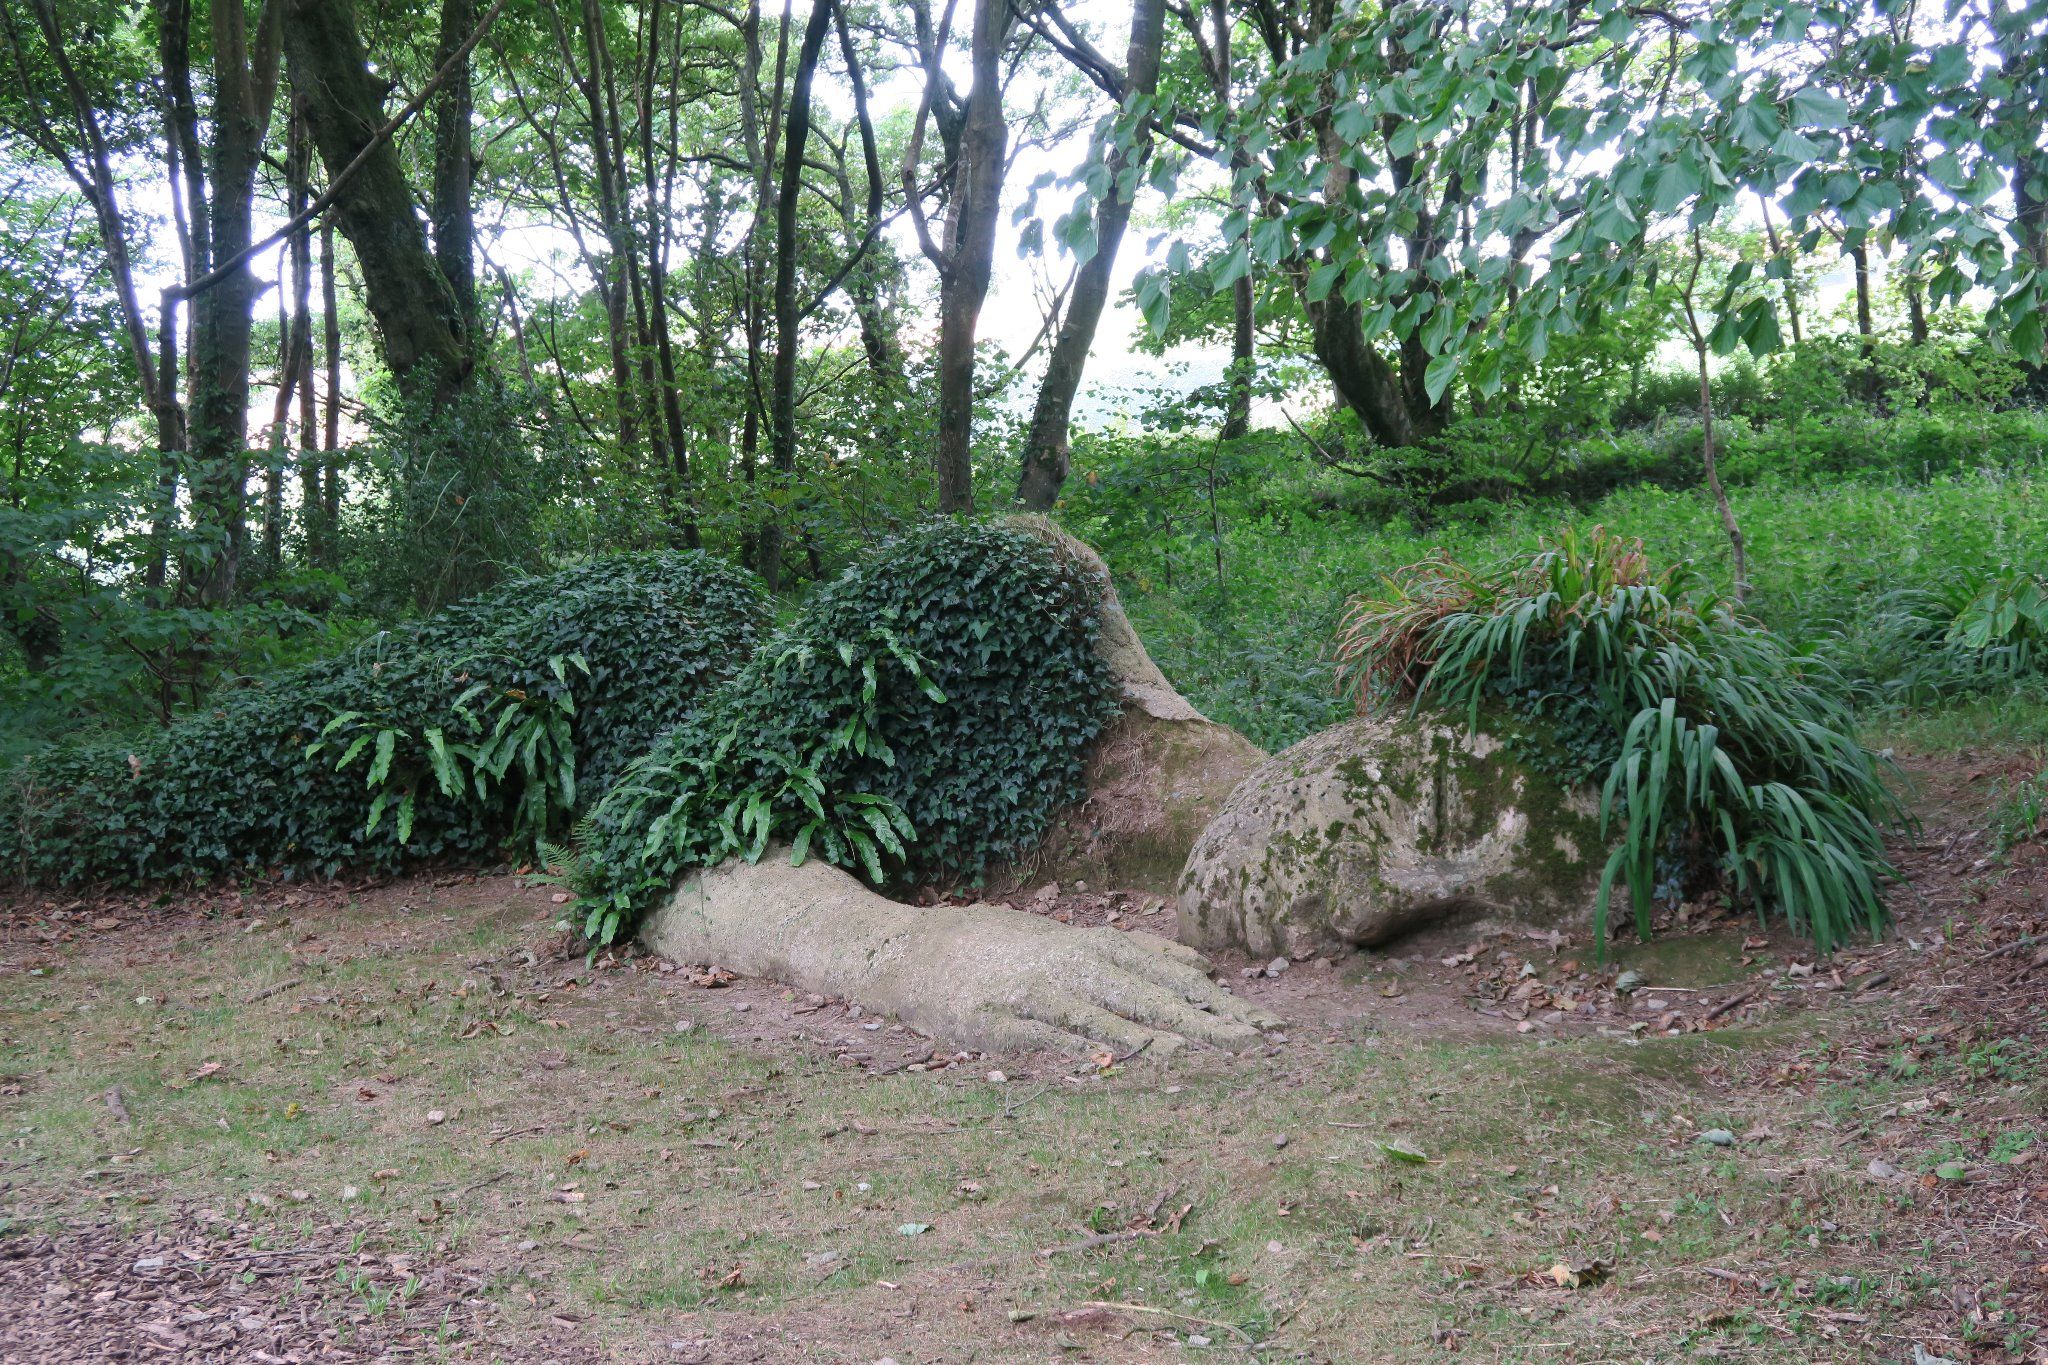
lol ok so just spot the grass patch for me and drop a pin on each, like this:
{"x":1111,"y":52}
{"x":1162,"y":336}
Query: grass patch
{"x":645,"y":1183}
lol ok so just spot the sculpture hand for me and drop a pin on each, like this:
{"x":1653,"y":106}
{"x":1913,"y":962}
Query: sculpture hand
{"x":1020,"y":982}
{"x":982,"y":976}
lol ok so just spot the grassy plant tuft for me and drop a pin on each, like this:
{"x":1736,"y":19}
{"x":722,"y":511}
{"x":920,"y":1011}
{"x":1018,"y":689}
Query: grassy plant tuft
{"x":1730,"y":757}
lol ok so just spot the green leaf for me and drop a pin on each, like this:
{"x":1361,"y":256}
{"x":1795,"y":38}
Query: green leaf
{"x":1234,"y":267}
{"x":1439,"y":374}
{"x":1813,"y":107}
{"x":1401,"y":1150}
{"x":348,"y":755}
{"x":380,"y":763}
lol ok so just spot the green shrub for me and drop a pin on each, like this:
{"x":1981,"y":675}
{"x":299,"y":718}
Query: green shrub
{"x":1725,"y":753}
{"x":1921,"y":646}
{"x":2021,"y":811}
{"x":490,"y":721}
{"x":2005,"y":621}
{"x":925,"y":715}
{"x":1894,"y":652}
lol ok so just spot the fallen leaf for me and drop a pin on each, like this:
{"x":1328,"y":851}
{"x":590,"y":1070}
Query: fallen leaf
{"x":1580,"y":1276}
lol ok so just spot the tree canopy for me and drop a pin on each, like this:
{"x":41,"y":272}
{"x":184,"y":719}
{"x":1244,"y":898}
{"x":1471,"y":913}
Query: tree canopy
{"x":321,"y":312}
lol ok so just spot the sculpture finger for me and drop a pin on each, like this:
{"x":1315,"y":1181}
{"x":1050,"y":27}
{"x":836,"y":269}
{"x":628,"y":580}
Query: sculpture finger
{"x":1105,"y":1027}
{"x":1230,"y":1006}
{"x":1167,"y":950}
{"x":1014,"y":1033}
{"x":1167,"y":1008}
{"x":1169,"y":965}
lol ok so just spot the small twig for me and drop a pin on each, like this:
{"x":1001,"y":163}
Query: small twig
{"x":1011,"y":1109}
{"x":1152,"y":1214}
{"x":1100,"y":1239}
{"x":1733,"y":1002}
{"x":473,"y":1186}
{"x":1230,"y":1327}
{"x":1119,"y":1061}
{"x":929,"y":1053}
{"x":254,"y":1256}
{"x":279,"y":989}
{"x":2023,"y":941}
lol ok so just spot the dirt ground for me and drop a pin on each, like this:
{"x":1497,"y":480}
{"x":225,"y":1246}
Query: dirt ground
{"x":401,"y":1121}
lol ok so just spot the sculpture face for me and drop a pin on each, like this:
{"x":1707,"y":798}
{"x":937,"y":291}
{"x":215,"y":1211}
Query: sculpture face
{"x":1377,"y":827}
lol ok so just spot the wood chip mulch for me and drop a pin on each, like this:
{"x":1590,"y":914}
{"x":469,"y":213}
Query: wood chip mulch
{"x":205,"y":1288}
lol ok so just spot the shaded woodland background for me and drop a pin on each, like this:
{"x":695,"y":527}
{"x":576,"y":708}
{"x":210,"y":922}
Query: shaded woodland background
{"x":317,"y":315}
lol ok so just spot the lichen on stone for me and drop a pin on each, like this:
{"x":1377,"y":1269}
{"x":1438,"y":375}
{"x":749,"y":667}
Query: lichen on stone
{"x":1374,"y":827}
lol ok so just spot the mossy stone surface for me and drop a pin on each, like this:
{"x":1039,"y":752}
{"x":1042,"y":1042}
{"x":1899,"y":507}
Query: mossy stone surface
{"x":1380,"y":825}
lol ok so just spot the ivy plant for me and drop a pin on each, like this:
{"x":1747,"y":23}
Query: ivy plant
{"x":482,"y":727}
{"x":924,"y":716}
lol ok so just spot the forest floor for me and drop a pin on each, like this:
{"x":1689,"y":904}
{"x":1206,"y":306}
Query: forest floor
{"x":398,"y":1122}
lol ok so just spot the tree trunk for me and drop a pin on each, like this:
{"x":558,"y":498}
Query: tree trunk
{"x":1237,"y":412}
{"x":421,"y":328}
{"x":608,"y":145}
{"x":1366,"y":381}
{"x":760,"y":147}
{"x":298,"y":152}
{"x":1045,"y":444}
{"x":330,"y":436}
{"x":454,"y":218}
{"x":782,"y":391}
{"x":970,"y":254}
{"x":1791,"y":286}
{"x":1859,"y":256}
{"x":244,"y":79}
{"x":589,"y":78}
{"x":1738,"y":550}
{"x":682,"y":499}
{"x":309,"y":426}
{"x":885,"y":362}
{"x":270,"y":557}
{"x":1737,"y":546}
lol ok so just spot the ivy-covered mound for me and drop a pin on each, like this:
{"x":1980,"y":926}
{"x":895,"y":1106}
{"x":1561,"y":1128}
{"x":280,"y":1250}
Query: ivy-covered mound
{"x":1722,"y":755}
{"x":490,"y":721}
{"x":925,"y":715}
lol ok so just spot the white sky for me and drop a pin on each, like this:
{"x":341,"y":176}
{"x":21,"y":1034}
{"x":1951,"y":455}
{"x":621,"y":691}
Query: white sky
{"x":1013,"y":314}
